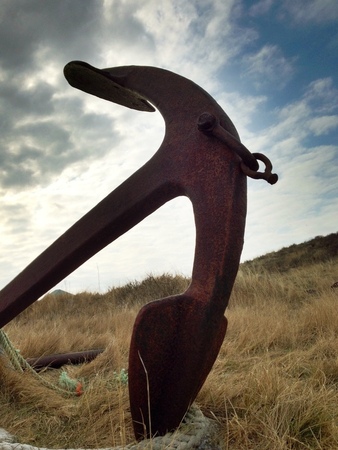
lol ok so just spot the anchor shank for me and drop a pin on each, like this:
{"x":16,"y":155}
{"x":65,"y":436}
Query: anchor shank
{"x":220,"y":214}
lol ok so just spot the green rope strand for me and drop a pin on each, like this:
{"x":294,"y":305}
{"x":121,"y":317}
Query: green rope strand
{"x":10,"y":351}
{"x":19,"y":363}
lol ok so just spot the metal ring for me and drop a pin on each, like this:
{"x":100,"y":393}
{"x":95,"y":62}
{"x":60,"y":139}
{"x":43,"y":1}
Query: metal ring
{"x":267,"y":175}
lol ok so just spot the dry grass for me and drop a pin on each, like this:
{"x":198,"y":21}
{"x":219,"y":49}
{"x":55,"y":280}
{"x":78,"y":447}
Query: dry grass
{"x":317,"y":250}
{"x":273,"y":386}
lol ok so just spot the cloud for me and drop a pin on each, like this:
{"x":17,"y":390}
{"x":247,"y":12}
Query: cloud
{"x":299,"y":11}
{"x":268,"y":66}
{"x":314,"y":11}
{"x":323,"y":125}
{"x":303,"y":201}
{"x":242,"y":109}
{"x":40,"y":114}
{"x":35,"y":129}
{"x":299,"y":120}
{"x":306,"y":196}
{"x":62,"y":151}
{"x":67,"y":27}
{"x":260,"y":8}
{"x":322,"y":95}
{"x":190,"y":36}
{"x":37,"y":137}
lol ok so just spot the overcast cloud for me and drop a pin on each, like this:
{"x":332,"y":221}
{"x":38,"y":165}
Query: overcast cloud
{"x":272,"y":65}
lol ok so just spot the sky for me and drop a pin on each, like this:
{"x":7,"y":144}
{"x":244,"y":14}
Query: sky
{"x":272,"y":65}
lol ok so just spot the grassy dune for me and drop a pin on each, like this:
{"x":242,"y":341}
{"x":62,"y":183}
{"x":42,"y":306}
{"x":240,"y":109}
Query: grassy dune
{"x":274,"y":385}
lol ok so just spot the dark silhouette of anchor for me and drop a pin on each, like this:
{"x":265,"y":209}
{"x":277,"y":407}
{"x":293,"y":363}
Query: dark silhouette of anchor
{"x":175,"y":340}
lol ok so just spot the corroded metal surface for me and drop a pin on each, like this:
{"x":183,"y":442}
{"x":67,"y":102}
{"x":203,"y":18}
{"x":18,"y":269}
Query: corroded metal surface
{"x":175,"y":340}
{"x":58,"y":360}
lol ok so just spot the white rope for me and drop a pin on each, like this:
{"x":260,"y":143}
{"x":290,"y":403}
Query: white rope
{"x":192,"y":434}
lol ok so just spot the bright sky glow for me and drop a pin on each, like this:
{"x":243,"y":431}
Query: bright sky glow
{"x":272,"y":66}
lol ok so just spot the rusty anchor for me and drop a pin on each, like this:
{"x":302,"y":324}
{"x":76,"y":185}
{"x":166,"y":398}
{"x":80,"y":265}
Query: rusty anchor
{"x":175,"y":340}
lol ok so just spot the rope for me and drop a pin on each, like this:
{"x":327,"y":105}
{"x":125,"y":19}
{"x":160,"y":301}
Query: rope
{"x":19,"y":363}
{"x":193,"y":433}
{"x":10,"y":351}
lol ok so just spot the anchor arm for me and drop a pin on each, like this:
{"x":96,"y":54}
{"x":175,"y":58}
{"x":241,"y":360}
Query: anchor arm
{"x":136,"y":198}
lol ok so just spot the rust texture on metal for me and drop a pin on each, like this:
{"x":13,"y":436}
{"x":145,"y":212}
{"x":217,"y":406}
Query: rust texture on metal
{"x":58,"y":360}
{"x":175,"y":340}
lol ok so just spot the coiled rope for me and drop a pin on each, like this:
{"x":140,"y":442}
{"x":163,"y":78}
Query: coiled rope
{"x":194,"y":432}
